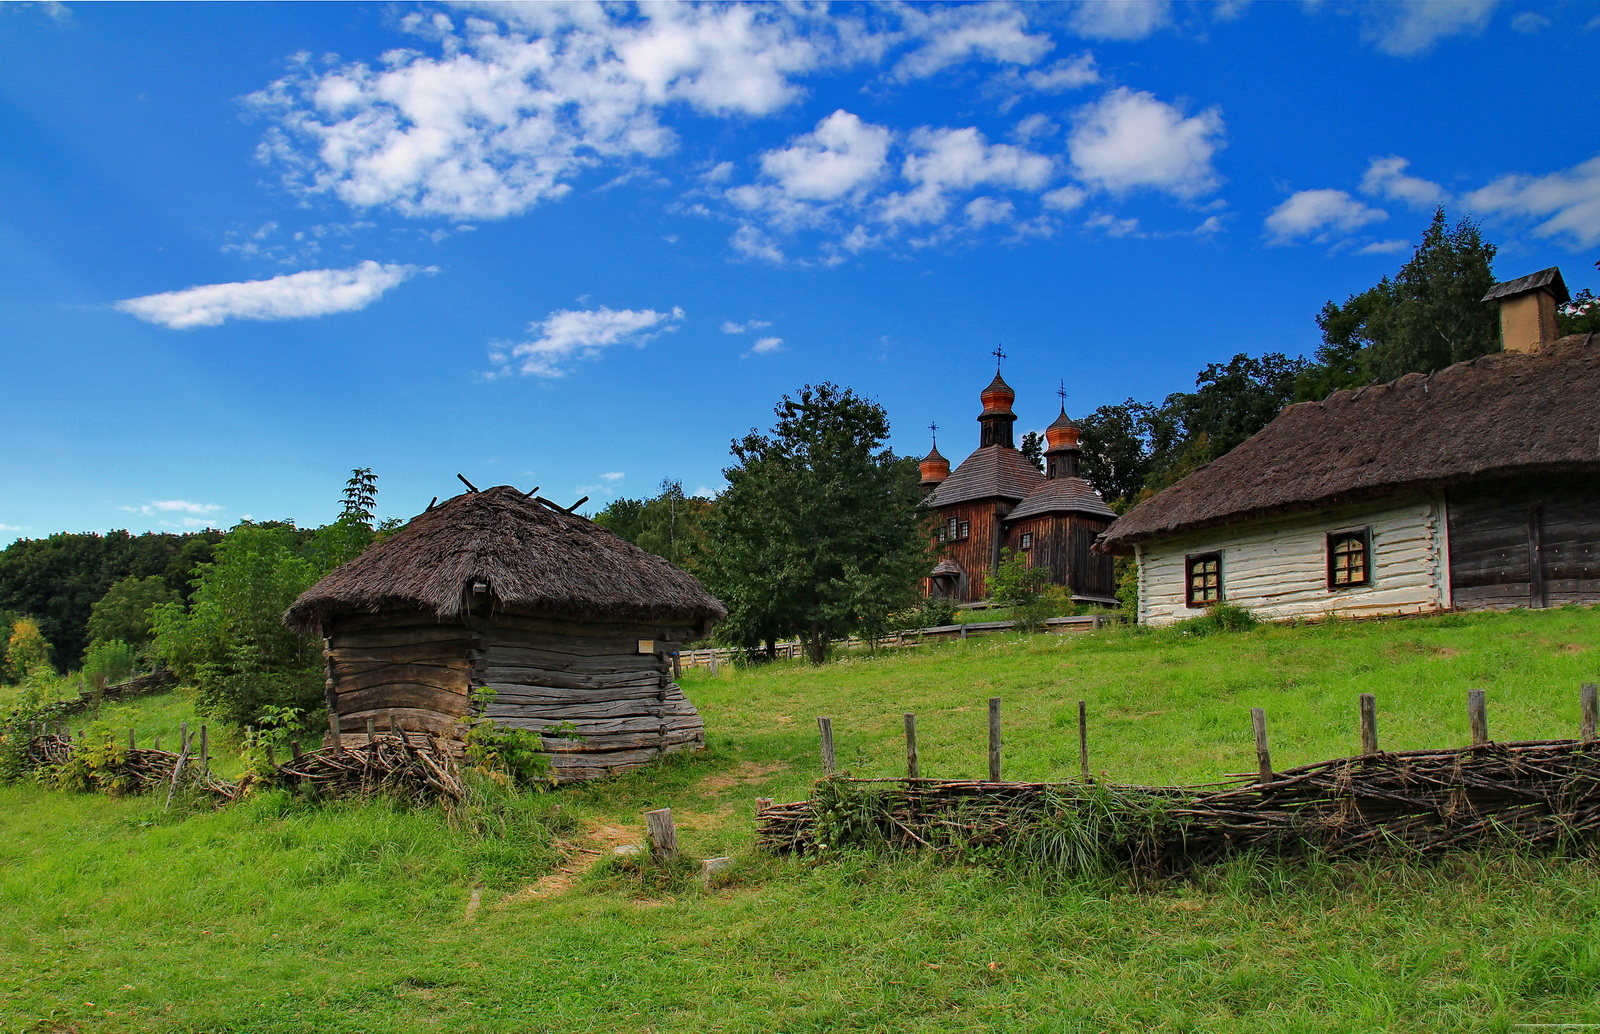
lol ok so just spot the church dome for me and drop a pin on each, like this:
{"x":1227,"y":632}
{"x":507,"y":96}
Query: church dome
{"x":1063,"y":433}
{"x":998,"y":396}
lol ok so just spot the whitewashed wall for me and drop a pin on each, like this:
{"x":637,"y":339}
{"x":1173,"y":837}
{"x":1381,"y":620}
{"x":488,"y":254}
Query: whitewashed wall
{"x":1278,"y":568}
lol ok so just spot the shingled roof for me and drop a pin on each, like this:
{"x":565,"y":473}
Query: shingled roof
{"x":1062,"y":495}
{"x":533,"y":557}
{"x":1546,"y":279}
{"x":1498,"y":415}
{"x":992,"y":472}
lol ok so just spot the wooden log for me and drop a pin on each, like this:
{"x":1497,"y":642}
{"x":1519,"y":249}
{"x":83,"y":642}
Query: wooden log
{"x":994,"y":739}
{"x":913,"y":768}
{"x":663,"y":835}
{"x":1258,"y":718}
{"x":825,"y":727}
{"x":445,"y":677}
{"x":1591,"y":710}
{"x":1083,"y":742}
{"x":1478,"y":716}
{"x":1369,"y":724}
{"x":422,"y":697}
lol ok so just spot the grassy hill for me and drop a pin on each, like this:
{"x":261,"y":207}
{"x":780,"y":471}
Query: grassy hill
{"x":277,"y":915}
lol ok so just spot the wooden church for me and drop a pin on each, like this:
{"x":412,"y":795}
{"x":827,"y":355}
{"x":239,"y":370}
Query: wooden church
{"x":997,"y":500}
{"x":564,"y":622}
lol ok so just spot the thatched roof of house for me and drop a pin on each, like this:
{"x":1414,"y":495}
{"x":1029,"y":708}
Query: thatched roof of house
{"x":1500,"y":415}
{"x":532,"y":557}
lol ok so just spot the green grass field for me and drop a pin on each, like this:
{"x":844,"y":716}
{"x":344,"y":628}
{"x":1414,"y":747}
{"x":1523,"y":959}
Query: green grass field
{"x":275,"y":915}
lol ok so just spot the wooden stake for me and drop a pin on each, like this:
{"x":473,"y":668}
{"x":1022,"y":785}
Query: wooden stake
{"x":131,"y":740}
{"x":1369,"y":724}
{"x":1586,"y":731}
{"x":158,"y":742}
{"x":294,"y":746}
{"x":205,"y":750}
{"x":1478,"y":715}
{"x":663,"y":835}
{"x":913,"y":767}
{"x":762,"y":804}
{"x":825,"y":726}
{"x":372,"y":729}
{"x":994,"y":739}
{"x":1258,"y":718}
{"x":1083,"y":742}
{"x":333,"y":729}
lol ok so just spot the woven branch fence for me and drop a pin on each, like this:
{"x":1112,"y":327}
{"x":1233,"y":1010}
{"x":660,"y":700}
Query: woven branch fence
{"x":1535,"y":794}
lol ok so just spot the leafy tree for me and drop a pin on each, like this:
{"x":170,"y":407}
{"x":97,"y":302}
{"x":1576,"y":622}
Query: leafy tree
{"x":27,"y":650}
{"x":1033,"y":448}
{"x":360,"y":496}
{"x":623,"y":517}
{"x":107,"y":662}
{"x":231,"y":643}
{"x":821,"y":531}
{"x":124,"y":612}
{"x":1428,"y":315}
{"x":671,"y":525}
{"x":1019,"y":585}
{"x":1581,"y":315}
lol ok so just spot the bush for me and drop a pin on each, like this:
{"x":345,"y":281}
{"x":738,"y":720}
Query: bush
{"x":936,"y":611}
{"x":1019,"y":585}
{"x":1219,"y":617}
{"x":106,"y":664}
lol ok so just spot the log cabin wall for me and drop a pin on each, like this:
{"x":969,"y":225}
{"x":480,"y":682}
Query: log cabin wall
{"x":976,"y":554}
{"x":1525,"y":543}
{"x":623,"y":703}
{"x":1278,"y":568}
{"x":1061,"y":546}
{"x":409,"y":668}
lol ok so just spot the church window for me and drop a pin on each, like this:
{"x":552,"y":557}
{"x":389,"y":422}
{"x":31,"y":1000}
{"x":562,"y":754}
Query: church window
{"x":1026,"y":541}
{"x":1349,"y":559}
{"x":1204,"y":579}
{"x":966,"y":529}
{"x":951,"y":527}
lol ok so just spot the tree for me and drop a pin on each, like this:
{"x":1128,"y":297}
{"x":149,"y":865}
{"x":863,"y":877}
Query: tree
{"x":1033,"y":448}
{"x":672,"y":525}
{"x":1426,"y":317}
{"x":1119,"y":446}
{"x":27,"y":650}
{"x":821,"y":531}
{"x":1581,"y":315}
{"x":124,"y":612}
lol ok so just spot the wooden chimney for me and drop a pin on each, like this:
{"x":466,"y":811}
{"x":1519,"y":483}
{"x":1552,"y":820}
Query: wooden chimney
{"x":1528,"y":309}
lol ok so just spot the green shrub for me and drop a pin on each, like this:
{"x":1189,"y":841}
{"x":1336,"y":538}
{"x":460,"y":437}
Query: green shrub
{"x":106,"y":664}
{"x":1219,"y":617}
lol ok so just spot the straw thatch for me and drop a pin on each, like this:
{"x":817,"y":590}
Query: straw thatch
{"x":1496,"y":416}
{"x":531,"y":557}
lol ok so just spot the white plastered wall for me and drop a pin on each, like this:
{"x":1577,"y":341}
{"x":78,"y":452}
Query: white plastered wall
{"x":1278,"y":568}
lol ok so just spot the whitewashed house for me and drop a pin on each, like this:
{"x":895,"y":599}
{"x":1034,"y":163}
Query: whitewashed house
{"x":1476,"y":486}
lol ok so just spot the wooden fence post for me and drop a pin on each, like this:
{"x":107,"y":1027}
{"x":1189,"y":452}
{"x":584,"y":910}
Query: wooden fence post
{"x":1478,"y":715}
{"x":1258,"y":718}
{"x":131,"y":740}
{"x":663,"y":835}
{"x":1591,"y":710}
{"x":205,"y":750}
{"x":294,"y":746}
{"x":1369,"y":724}
{"x":913,"y":767}
{"x":183,"y":737}
{"x":158,"y":742}
{"x":994,"y":739}
{"x":372,"y":730}
{"x":333,"y":730}
{"x":1083,"y":742}
{"x":825,"y":727}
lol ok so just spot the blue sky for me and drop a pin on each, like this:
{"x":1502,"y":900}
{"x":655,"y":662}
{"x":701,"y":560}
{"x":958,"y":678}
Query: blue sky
{"x":248,"y":247}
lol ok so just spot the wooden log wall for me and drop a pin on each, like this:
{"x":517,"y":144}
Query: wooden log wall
{"x":623,"y":704}
{"x":409,"y":669}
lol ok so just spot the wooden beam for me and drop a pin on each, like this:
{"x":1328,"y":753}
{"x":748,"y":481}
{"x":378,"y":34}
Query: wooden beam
{"x":1083,"y":742}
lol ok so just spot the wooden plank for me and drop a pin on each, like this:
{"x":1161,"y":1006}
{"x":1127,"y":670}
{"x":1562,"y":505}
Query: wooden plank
{"x":1478,"y":716}
{"x":1536,"y":596}
{"x":615,"y":629}
{"x":386,"y":638}
{"x":509,"y":656}
{"x":1258,"y":719}
{"x":1083,"y":742}
{"x":404,"y":695}
{"x":391,"y":619}
{"x":577,"y":712}
{"x":499,"y":674}
{"x":574,"y":645}
{"x":444,"y":679}
{"x":436,"y":652}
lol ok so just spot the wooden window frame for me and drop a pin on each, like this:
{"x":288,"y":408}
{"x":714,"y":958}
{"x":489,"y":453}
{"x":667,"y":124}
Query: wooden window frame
{"x":1190,"y":562}
{"x":951,"y":525}
{"x":1331,"y":542}
{"x":966,"y":530}
{"x":1025,"y":540}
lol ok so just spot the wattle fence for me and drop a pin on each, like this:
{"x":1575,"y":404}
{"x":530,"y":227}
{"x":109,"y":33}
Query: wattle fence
{"x":1533,"y":794}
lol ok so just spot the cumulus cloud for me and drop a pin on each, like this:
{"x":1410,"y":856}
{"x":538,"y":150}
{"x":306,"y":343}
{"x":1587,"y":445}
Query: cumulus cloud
{"x":612,"y":477}
{"x":1387,"y":178}
{"x":730,"y":327}
{"x":1409,"y":28}
{"x":950,"y":35}
{"x":944,"y":161}
{"x":1314,"y":214}
{"x":765,"y":345}
{"x":842,"y":156}
{"x":1066,"y":74}
{"x":1119,"y":19}
{"x":1388,"y":247}
{"x":174,"y":507}
{"x":1128,"y":139}
{"x":1064,"y":199}
{"x":1566,"y":202}
{"x":567,"y":335}
{"x":751,"y":243}
{"x":315,"y":292}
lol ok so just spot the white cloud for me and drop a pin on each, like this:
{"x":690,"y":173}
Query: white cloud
{"x":944,"y":161}
{"x":1567,"y":201}
{"x":842,"y":156}
{"x":1529,"y":23}
{"x":986,"y":211}
{"x":1128,"y":139}
{"x":703,"y":492}
{"x":1066,"y":74}
{"x":1387,"y":177}
{"x":166,"y":507}
{"x":1408,"y":28}
{"x":315,"y":292}
{"x":568,"y":335}
{"x":612,"y":477}
{"x":1314,"y":213}
{"x":1388,"y":247}
{"x":730,"y":327}
{"x":1113,"y":226}
{"x":10,"y":527}
{"x":750,"y":242}
{"x":1119,"y":19}
{"x":1033,"y":127}
{"x":1065,"y":199}
{"x":951,"y":35}
{"x":766,"y":345}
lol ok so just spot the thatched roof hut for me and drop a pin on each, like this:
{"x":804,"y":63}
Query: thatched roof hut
{"x":562,"y":620}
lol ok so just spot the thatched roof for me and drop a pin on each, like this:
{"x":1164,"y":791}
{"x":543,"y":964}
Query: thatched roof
{"x":1500,"y":415}
{"x":533,"y":558}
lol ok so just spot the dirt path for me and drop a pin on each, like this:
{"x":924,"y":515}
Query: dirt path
{"x":582,"y":856}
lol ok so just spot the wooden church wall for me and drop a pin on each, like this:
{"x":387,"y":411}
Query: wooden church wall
{"x":1061,"y":546}
{"x":975,"y":553}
